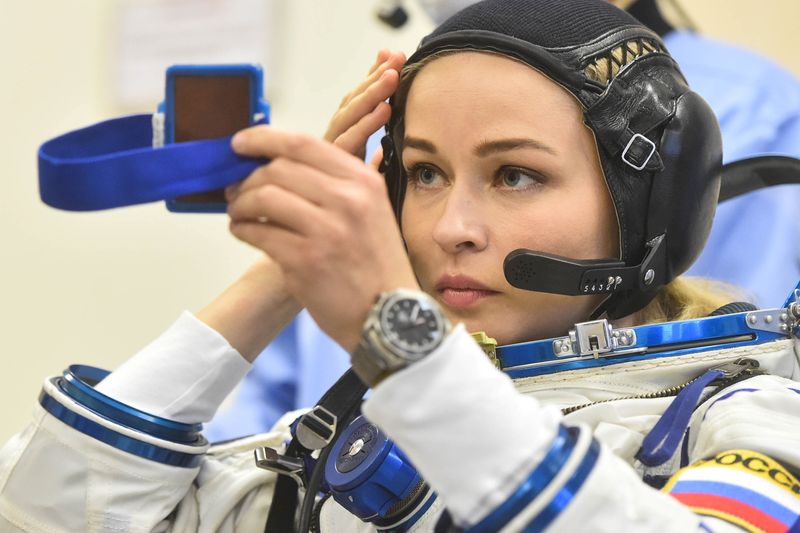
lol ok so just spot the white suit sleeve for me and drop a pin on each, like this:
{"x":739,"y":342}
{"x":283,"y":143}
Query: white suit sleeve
{"x":89,"y":463}
{"x":184,"y":375}
{"x":499,"y":460}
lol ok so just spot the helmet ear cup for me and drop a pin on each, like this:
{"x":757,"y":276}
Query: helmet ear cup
{"x":682,"y":199}
{"x":684,"y":194}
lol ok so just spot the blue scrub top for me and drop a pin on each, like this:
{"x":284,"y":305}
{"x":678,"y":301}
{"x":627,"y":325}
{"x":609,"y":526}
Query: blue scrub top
{"x":754,"y":243}
{"x":755,"y":240}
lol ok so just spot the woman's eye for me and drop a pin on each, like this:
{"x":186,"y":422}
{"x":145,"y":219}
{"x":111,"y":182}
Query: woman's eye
{"x":518,"y":178}
{"x":424,"y":176}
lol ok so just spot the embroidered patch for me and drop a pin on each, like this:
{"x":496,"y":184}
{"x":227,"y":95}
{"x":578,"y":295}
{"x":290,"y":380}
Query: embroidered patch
{"x":742,"y":487}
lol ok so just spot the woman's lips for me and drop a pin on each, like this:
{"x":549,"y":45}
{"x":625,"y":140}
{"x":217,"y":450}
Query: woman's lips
{"x":461,"y":291}
{"x":463,"y":297}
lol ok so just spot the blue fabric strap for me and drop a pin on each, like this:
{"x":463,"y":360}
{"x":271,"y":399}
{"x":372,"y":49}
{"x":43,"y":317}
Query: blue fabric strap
{"x":662,"y":441}
{"x":113,"y":164}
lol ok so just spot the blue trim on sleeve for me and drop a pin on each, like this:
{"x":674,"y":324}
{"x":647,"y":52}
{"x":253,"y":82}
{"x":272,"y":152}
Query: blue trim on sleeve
{"x":117,"y":440}
{"x":565,"y":495}
{"x":560,"y":451}
{"x":77,"y":383}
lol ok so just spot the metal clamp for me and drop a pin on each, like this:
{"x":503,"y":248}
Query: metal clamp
{"x":784,"y":321}
{"x":269,"y":459}
{"x":638,"y":136}
{"x":316,"y":428}
{"x":593,"y":338}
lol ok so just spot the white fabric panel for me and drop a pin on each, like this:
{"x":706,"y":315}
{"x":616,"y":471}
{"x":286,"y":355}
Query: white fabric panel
{"x":184,"y":375}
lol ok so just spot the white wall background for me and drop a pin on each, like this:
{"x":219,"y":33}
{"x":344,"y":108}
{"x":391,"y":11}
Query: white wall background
{"x":94,"y":288}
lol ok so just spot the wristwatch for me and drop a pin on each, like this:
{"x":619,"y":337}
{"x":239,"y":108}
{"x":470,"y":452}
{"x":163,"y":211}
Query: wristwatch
{"x":402,"y":327}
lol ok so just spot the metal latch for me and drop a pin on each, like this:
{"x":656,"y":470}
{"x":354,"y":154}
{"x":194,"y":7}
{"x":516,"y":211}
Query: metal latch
{"x":783,"y":321}
{"x":269,"y":459}
{"x":593,"y":338}
{"x":316,"y":428}
{"x":488,"y":345}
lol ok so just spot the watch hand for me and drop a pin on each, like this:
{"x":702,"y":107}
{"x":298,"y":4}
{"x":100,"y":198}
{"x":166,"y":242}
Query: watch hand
{"x":415,"y":313}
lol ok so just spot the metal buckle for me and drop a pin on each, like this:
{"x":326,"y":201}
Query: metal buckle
{"x":316,"y":428}
{"x":593,"y":338}
{"x":630,"y":143}
{"x":269,"y":459}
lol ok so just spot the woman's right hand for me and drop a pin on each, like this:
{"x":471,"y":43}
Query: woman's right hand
{"x":364,"y":109}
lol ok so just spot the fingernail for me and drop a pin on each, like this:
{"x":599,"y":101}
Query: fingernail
{"x":238,"y":140}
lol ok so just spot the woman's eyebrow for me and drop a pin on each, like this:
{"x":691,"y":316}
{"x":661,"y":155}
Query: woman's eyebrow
{"x":503,"y":145}
{"x":419,"y":144}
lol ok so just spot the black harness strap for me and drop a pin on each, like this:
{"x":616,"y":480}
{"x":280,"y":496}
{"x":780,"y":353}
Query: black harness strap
{"x":341,"y":401}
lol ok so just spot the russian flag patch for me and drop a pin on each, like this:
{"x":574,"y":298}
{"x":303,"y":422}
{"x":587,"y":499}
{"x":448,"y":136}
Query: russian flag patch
{"x":741,"y":487}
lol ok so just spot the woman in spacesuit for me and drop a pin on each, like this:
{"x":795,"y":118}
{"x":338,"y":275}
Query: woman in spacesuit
{"x":546,"y":164}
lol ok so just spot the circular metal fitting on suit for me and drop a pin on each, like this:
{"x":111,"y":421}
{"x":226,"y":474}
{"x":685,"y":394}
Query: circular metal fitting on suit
{"x":649,"y":276}
{"x":356,"y":447}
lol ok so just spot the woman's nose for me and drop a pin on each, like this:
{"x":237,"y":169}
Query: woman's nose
{"x":461,"y":226}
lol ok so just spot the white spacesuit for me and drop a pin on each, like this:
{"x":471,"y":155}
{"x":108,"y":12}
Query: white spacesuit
{"x":74,"y":470}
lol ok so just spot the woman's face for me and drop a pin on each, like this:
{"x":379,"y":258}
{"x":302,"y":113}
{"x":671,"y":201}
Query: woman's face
{"x":498,"y":158}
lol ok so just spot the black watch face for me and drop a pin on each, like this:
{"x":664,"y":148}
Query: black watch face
{"x":412,"y":326}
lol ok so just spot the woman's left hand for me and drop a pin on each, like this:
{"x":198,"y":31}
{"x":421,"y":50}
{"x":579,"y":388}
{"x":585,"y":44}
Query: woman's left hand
{"x":325,"y":217}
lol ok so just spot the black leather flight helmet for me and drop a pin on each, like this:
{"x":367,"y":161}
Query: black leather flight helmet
{"x":659,"y":143}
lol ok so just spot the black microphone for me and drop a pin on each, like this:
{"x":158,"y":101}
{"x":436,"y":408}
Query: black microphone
{"x":543,"y":272}
{"x":538,"y":271}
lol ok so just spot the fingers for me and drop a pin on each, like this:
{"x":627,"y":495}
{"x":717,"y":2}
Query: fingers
{"x":272,"y":143}
{"x":300,"y":179}
{"x":362,"y":104}
{"x":391,"y":61}
{"x":276,"y":206}
{"x":381,"y":82}
{"x":279,"y":243}
{"x":354,"y":139}
{"x":377,"y":157}
{"x":383,"y":55}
